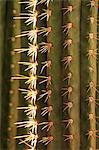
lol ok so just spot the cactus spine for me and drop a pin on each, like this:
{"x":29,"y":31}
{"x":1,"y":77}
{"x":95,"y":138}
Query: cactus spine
{"x":31,"y":93}
{"x":71,"y":86}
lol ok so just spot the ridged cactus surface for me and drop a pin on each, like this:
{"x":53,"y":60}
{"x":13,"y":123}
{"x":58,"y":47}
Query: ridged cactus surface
{"x":52,"y":75}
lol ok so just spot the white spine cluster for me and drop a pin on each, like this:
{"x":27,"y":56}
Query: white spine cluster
{"x":31,"y":18}
{"x":31,"y":93}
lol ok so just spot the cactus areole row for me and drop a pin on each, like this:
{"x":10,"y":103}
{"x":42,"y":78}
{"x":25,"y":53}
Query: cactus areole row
{"x":61,"y":82}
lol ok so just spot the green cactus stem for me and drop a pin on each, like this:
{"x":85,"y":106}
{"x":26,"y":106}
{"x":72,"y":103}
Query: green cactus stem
{"x":59,"y":75}
{"x":2,"y":23}
{"x":54,"y":55}
{"x":14,"y":84}
{"x":88,"y":73}
{"x":2,"y":87}
{"x":71,"y":89}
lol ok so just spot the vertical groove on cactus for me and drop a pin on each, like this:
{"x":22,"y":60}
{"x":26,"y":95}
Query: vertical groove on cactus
{"x":54,"y":55}
{"x":42,"y":98}
{"x":71,"y":89}
{"x":14,"y":85}
{"x":46,"y":93}
{"x":88,"y":74}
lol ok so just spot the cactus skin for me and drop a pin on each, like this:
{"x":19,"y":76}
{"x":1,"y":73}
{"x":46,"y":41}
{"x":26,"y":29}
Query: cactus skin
{"x":2,"y":24}
{"x":82,"y":111}
{"x":14,"y":85}
{"x":88,"y":115}
{"x":3,"y":114}
{"x":55,"y":72}
{"x":71,"y":100}
{"x":97,"y":96}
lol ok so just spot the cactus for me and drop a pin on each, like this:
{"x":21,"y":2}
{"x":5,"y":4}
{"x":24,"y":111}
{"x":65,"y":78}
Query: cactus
{"x":2,"y":62}
{"x":14,"y":85}
{"x":97,"y":96}
{"x":54,"y":71}
{"x":60,"y":75}
{"x":71,"y":85}
{"x":89,"y":53}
